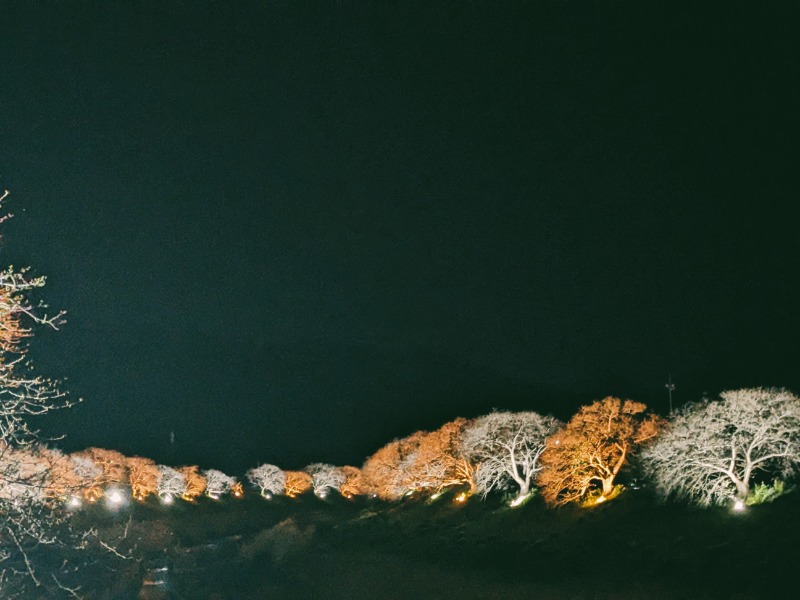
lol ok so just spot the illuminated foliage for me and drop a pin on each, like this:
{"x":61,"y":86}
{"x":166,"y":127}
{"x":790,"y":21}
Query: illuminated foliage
{"x":506,"y":446}
{"x":269,"y":479}
{"x":62,"y":478}
{"x":325,"y":478}
{"x":24,"y":475}
{"x":353,"y":483}
{"x":297,"y":482}
{"x":218,"y":483}
{"x":436,"y":463}
{"x":143,"y":476}
{"x":711,"y":451}
{"x":113,"y":464}
{"x":195,"y":482}
{"x":385,"y":473}
{"x":589,"y":452}
{"x":90,"y":475}
{"x":171,"y":482}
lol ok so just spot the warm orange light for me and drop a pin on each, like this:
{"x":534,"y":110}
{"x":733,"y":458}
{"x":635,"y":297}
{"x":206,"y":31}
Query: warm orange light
{"x":462,"y":497}
{"x":600,"y":500}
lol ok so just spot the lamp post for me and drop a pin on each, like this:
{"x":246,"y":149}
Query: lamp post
{"x":670,"y":386}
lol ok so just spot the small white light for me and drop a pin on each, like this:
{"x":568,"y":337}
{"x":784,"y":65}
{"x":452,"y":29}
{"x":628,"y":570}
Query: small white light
{"x":738,"y":506}
{"x":268,"y":495}
{"x":74,"y":502}
{"x":167,"y":499}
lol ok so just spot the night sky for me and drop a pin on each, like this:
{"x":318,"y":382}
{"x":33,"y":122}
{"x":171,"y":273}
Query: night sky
{"x":291,"y":233}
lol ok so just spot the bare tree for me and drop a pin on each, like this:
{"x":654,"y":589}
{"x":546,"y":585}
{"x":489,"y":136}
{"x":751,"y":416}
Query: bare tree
{"x":269,"y":479}
{"x":385,"y":473}
{"x":32,"y":521}
{"x":195,"y":482}
{"x":171,"y":483}
{"x":506,"y":446}
{"x":711,"y":451}
{"x":325,"y":477}
{"x":143,"y":476}
{"x":436,"y":463}
{"x":297,"y":482}
{"x":218,"y":483}
{"x":354,"y":482}
{"x":592,"y":448}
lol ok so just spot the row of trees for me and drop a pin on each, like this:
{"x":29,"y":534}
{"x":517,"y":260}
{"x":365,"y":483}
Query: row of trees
{"x":709,"y":452}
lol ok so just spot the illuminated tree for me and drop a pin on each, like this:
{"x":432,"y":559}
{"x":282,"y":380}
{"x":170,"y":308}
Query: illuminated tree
{"x":24,"y":476}
{"x":195,"y":482}
{"x":353,"y":482}
{"x":143,"y":475}
{"x":62,"y":478}
{"x":506,"y":446}
{"x":712,"y":451}
{"x":592,"y":448}
{"x":30,"y":518}
{"x":269,"y":479}
{"x":90,"y":476}
{"x":385,"y":472}
{"x":218,"y":483}
{"x":171,"y":482}
{"x":325,"y":478}
{"x":297,"y":482}
{"x":437,"y":463}
{"x":113,"y":464}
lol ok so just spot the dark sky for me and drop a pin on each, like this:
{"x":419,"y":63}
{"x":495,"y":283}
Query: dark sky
{"x":291,"y":233}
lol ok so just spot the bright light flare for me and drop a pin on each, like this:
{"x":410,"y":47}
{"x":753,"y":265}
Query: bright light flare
{"x":167,"y":499}
{"x":739,"y":506}
{"x":436,"y":495}
{"x":600,"y":500}
{"x":462,"y":497}
{"x":74,"y":502}
{"x":115,"y":499}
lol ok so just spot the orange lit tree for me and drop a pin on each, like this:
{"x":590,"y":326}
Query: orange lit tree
{"x":591,"y":449}
{"x":297,"y":482}
{"x":385,"y":473}
{"x":143,"y":475}
{"x":353,"y":483}
{"x":195,"y":483}
{"x":437,"y":463}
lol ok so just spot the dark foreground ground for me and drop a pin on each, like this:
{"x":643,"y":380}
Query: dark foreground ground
{"x":629,"y":548}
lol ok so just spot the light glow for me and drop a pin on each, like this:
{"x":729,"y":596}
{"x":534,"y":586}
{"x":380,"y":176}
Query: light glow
{"x":74,"y":502}
{"x":739,"y":506}
{"x":600,"y":500}
{"x":167,"y":499}
{"x":462,"y":497}
{"x":115,"y":498}
{"x":518,"y":500}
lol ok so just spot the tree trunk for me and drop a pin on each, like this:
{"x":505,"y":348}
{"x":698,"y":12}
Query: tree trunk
{"x":608,"y":485}
{"x":524,"y":489}
{"x":742,"y":489}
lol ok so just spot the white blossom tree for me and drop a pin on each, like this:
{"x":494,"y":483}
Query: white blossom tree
{"x":325,"y":478}
{"x":506,"y":446}
{"x":711,"y":451}
{"x":218,"y":483}
{"x":269,"y":479}
{"x":172,"y":482}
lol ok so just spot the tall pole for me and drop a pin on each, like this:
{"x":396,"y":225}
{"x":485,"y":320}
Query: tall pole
{"x":670,"y":386}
